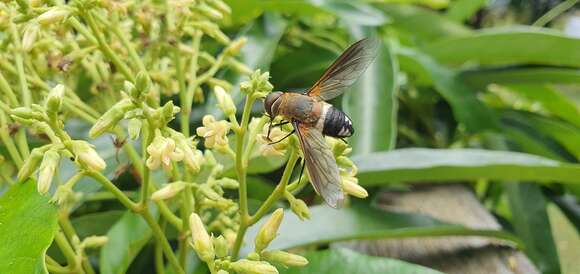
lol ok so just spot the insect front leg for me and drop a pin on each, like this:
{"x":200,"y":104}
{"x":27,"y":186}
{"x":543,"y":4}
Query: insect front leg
{"x":272,"y":126}
{"x":288,"y":135}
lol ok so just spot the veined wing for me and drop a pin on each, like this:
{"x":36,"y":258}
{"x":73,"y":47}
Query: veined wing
{"x":345,"y":70}
{"x":321,"y":165}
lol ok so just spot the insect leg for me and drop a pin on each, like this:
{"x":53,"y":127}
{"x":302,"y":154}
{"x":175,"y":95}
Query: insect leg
{"x":301,"y":170}
{"x":345,"y":141}
{"x":288,"y":135}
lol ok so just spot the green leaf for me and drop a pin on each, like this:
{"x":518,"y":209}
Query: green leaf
{"x":567,"y":240}
{"x":509,"y":46}
{"x":422,"y":23}
{"x":97,"y":223}
{"x":443,"y":165}
{"x":126,"y":238}
{"x":345,"y":261}
{"x":467,"y":109}
{"x":461,"y":10}
{"x":541,"y":75}
{"x":531,"y":224}
{"x":361,"y":221}
{"x":290,"y":71}
{"x":28,"y":223}
{"x":372,"y":104}
{"x":565,"y":134}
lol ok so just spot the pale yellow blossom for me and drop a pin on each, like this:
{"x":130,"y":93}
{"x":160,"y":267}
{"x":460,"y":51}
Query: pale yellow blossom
{"x":214,"y":132}
{"x":163,"y":151}
{"x":271,"y":146}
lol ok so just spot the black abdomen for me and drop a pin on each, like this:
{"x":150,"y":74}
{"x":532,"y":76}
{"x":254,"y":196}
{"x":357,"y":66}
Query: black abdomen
{"x":337,"y":124}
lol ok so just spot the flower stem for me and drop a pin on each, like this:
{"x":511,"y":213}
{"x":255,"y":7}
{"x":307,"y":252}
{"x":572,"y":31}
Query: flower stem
{"x":113,"y":189}
{"x":280,"y":189}
{"x":68,"y":252}
{"x":160,"y":236}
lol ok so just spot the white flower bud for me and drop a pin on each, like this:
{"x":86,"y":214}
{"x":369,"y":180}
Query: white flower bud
{"x":269,"y":230}
{"x":350,"y":186}
{"x":221,"y":246}
{"x":225,"y":101}
{"x":201,"y":241}
{"x":284,"y":258}
{"x":54,"y":99}
{"x":86,"y":155}
{"x":30,"y":35}
{"x":31,"y":164}
{"x":110,"y":118}
{"x":298,"y":206}
{"x":54,"y":15}
{"x":47,"y":169}
{"x":134,"y":128}
{"x":244,"y":266}
{"x":168,"y":191}
{"x":95,"y":241}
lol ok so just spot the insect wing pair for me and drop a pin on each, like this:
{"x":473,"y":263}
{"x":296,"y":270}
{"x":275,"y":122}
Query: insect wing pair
{"x":320,"y":163}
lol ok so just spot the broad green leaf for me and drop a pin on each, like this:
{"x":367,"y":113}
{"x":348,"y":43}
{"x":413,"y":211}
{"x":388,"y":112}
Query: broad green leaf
{"x":345,"y":261}
{"x":372,"y":104}
{"x":126,"y":238}
{"x":28,"y":223}
{"x":540,"y":75}
{"x":425,"y":24}
{"x":530,"y":144}
{"x":531,"y":224}
{"x":461,"y":10}
{"x":356,"y":11}
{"x":360,"y":221}
{"x":443,"y":165}
{"x":565,"y":134}
{"x":508,"y":46}
{"x":549,"y":99}
{"x":97,"y":223}
{"x":467,"y":109}
{"x":260,"y":188}
{"x":301,"y":68}
{"x":567,"y":240}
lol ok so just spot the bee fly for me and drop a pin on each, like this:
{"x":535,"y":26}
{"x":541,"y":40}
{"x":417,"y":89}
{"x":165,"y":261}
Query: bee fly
{"x":313,"y":118}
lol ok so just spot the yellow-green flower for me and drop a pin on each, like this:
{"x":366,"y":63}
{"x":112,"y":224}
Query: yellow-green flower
{"x":162,"y":152}
{"x":214,"y":132}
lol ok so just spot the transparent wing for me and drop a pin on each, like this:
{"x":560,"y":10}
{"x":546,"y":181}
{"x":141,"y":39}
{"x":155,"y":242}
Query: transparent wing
{"x":345,"y":70}
{"x":321,"y":165}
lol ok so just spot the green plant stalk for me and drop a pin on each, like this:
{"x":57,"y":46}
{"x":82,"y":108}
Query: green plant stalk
{"x":77,"y":25}
{"x":105,"y":48}
{"x":19,"y":58}
{"x":146,"y":172}
{"x":241,"y":167}
{"x":160,"y":236}
{"x":68,"y":252}
{"x":186,"y":210}
{"x":8,"y":142}
{"x":6,"y":89}
{"x":54,"y":267}
{"x":280,"y":189}
{"x":188,"y":95}
{"x":182,"y":92}
{"x":554,"y":12}
{"x":70,"y":233}
{"x":123,"y":38}
{"x":159,"y":266}
{"x":108,"y":185}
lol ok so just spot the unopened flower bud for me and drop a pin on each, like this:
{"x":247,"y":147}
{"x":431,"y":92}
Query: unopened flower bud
{"x":221,"y":246}
{"x":284,"y":258}
{"x":168,"y":191}
{"x":35,"y":3}
{"x":110,"y":118}
{"x":26,"y":113}
{"x":351,"y":187}
{"x":30,"y":35}
{"x":221,"y":6}
{"x":31,"y":164}
{"x":86,"y":155}
{"x":142,"y":84}
{"x":54,"y":99}
{"x":53,"y":15}
{"x":258,"y":83}
{"x":201,"y":241}
{"x":298,"y":206}
{"x":209,"y":12}
{"x":169,"y":110}
{"x":225,"y":102}
{"x":134,"y":128}
{"x":209,"y":193}
{"x":222,"y":272}
{"x":228,"y":183}
{"x":269,"y":230}
{"x":244,"y":266}
{"x":237,"y":45}
{"x":47,"y":169}
{"x":94,"y":241}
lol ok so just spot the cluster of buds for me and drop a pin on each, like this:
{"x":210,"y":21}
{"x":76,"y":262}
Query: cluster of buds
{"x":214,"y":250}
{"x":347,"y":169}
{"x":258,"y":84}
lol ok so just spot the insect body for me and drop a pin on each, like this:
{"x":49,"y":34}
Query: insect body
{"x":313,"y":118}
